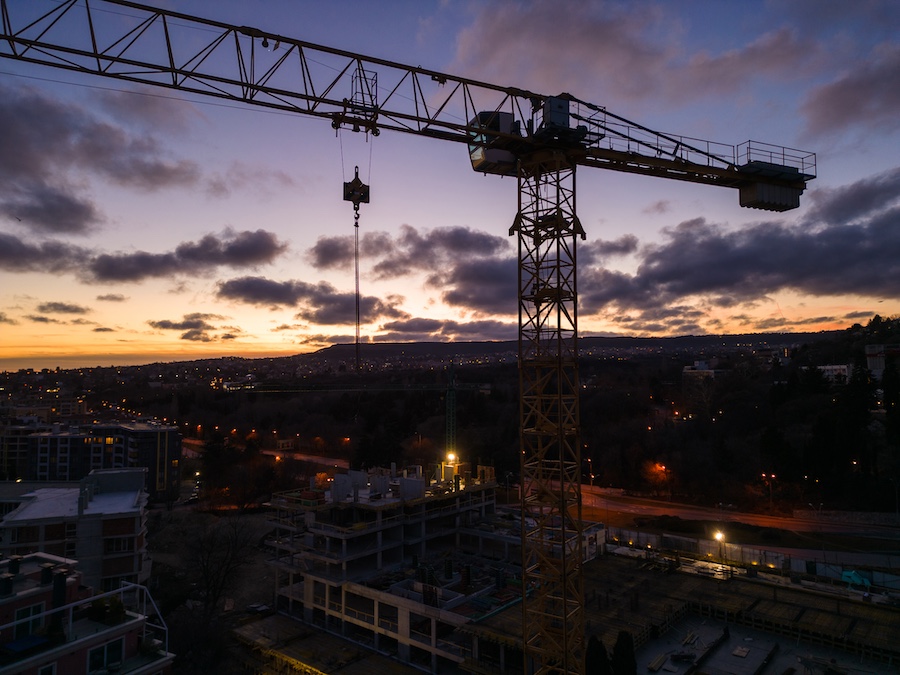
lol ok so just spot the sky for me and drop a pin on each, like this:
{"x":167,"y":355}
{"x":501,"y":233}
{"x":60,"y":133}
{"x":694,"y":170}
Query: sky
{"x":140,"y":224}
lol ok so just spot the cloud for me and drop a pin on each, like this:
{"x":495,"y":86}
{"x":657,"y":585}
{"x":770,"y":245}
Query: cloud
{"x":35,"y":318}
{"x":18,"y":255}
{"x":61,"y":308}
{"x":319,"y":303}
{"x":860,"y":199}
{"x":823,"y":255}
{"x":196,"y":326}
{"x":196,"y":335}
{"x":472,"y":269}
{"x":144,"y":108}
{"x":596,"y":251}
{"x":48,"y":143}
{"x":507,"y":41}
{"x":483,"y":286}
{"x":260,"y":181}
{"x":658,"y":207}
{"x":407,"y":252}
{"x":103,"y":329}
{"x":433,"y":330}
{"x":865,"y":96}
{"x":239,"y":249}
{"x":49,"y":208}
{"x":195,"y":321}
{"x":332,"y":252}
{"x":112,"y":297}
{"x":7,"y":320}
{"x":630,"y":52}
{"x":230,"y":249}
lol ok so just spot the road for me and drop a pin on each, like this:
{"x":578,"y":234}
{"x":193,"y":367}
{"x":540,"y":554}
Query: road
{"x":605,"y":505}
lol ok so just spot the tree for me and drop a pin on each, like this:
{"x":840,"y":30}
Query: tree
{"x":624,"y":661}
{"x":215,"y":554}
{"x":596,"y":661}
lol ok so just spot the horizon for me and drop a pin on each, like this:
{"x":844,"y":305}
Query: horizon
{"x":88,"y":361}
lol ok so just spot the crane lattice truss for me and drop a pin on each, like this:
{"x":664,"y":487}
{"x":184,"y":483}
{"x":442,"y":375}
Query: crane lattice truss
{"x":547,"y":228}
{"x":540,"y":139}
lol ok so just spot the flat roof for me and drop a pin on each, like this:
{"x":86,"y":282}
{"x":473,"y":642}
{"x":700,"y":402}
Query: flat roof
{"x":63,"y":502}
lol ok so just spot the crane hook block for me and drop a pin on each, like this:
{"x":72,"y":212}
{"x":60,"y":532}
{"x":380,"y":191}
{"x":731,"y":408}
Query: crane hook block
{"x":356,"y":191}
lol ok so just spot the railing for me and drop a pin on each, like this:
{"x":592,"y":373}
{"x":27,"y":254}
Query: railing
{"x":360,"y":615}
{"x":420,"y":637}
{"x":355,"y":528}
{"x":85,"y":618}
{"x":755,"y":151}
{"x":389,"y":624}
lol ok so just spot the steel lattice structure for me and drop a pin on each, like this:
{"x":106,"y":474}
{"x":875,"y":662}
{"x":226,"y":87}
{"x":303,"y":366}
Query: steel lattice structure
{"x":538,"y":138}
{"x":548,"y":229}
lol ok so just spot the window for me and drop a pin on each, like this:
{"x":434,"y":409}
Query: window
{"x":118,"y":544}
{"x":47,"y":670}
{"x":100,"y":658}
{"x":31,"y":618}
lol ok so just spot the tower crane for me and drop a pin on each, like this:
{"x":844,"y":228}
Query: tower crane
{"x":539,"y":139}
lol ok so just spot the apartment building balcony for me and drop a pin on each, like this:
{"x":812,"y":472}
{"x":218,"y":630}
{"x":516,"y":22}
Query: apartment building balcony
{"x":110,"y":632}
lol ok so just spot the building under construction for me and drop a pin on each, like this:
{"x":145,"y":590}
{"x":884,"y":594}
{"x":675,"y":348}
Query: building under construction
{"x":401,"y":561}
{"x":425,"y":567}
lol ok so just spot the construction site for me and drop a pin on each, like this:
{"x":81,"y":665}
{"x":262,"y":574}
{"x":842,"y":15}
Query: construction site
{"x":423,"y":571}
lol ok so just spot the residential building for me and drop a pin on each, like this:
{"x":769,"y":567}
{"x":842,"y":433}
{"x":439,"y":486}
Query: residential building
{"x":148,"y":444}
{"x":14,"y":444}
{"x":51,"y":624}
{"x":101,"y":522}
{"x":66,"y":453}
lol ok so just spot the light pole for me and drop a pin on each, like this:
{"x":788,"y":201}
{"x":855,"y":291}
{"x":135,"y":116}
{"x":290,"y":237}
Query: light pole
{"x":896,"y":498}
{"x":769,"y":479}
{"x":720,"y":538}
{"x":818,"y":511}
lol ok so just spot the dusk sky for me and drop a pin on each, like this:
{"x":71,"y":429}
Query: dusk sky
{"x":141,"y":225}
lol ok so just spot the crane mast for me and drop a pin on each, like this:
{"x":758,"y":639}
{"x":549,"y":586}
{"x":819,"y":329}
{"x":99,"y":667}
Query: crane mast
{"x":539,"y":139}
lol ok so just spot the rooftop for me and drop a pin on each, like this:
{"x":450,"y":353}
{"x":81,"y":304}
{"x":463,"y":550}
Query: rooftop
{"x":63,"y":503}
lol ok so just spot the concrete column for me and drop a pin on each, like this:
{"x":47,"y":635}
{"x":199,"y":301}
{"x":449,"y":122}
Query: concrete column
{"x":403,"y":634}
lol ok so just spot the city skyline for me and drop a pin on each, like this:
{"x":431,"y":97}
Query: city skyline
{"x":141,"y":225}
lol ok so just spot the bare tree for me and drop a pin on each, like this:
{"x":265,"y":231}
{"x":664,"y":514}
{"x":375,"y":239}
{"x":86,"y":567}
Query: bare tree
{"x":216,"y":553}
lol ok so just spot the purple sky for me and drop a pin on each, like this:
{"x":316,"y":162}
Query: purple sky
{"x":140,"y":224}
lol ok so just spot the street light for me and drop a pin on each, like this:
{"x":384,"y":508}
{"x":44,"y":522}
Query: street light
{"x":769,"y":479}
{"x":896,"y":498}
{"x":720,"y":538}
{"x":818,"y":512}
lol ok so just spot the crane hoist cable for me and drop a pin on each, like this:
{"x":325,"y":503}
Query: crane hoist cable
{"x":357,"y":192}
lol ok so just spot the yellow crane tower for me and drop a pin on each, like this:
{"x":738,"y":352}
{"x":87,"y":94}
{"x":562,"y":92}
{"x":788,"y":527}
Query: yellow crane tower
{"x":540,"y":139}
